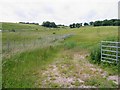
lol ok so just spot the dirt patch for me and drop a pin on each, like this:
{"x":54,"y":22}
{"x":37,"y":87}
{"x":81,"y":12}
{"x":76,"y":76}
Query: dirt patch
{"x":54,"y":76}
{"x":90,"y":67}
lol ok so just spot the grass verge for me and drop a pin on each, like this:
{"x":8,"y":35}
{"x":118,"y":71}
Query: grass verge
{"x":20,"y":71}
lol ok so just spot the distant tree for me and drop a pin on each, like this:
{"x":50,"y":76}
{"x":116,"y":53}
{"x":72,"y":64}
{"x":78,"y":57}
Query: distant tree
{"x":86,"y":24}
{"x":78,"y":25}
{"x":22,"y":22}
{"x":52,"y":25}
{"x":97,"y":23}
{"x":60,"y":25}
{"x":74,"y":25}
{"x":27,"y":23}
{"x":112,"y":22}
{"x":91,"y":23}
{"x":107,"y":23}
{"x":116,"y":23}
{"x":35,"y":23}
{"x":46,"y":24}
{"x":71,"y":25}
{"x":49,"y":24}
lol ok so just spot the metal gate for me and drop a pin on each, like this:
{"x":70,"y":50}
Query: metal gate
{"x":110,"y":51}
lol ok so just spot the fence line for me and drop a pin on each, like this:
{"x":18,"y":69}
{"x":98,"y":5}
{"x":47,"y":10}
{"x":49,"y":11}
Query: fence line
{"x":110,"y":51}
{"x":14,"y":46}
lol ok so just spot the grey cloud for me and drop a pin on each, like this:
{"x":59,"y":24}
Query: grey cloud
{"x":60,"y":11}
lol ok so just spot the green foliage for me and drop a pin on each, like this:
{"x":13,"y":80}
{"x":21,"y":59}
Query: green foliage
{"x":116,"y":23}
{"x":97,"y":23}
{"x":112,"y":69}
{"x":96,"y":54}
{"x":78,"y":25}
{"x":96,"y":51}
{"x":112,"y":22}
{"x":54,"y":33}
{"x":86,"y":24}
{"x":49,"y":24}
{"x":91,"y":23}
{"x":107,"y":23}
{"x":75,"y":25}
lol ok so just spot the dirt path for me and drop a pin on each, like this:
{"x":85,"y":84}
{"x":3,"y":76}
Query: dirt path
{"x":71,"y":71}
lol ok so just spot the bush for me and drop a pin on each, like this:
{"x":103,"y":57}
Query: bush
{"x":54,"y":33}
{"x":96,"y":54}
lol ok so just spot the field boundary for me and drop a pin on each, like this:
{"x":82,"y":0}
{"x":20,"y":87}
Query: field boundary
{"x":110,"y":51}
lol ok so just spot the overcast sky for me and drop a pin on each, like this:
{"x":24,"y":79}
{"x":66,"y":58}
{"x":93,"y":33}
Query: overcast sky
{"x":58,"y":11}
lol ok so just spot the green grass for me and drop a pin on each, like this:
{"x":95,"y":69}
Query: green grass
{"x":100,"y":82}
{"x":84,"y":37}
{"x":112,"y":69}
{"x":69,"y":45}
{"x":95,"y":56}
{"x":18,"y":26}
{"x":21,"y":69}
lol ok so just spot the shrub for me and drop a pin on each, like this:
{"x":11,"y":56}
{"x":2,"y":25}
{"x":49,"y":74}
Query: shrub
{"x":54,"y":33}
{"x":96,"y":54}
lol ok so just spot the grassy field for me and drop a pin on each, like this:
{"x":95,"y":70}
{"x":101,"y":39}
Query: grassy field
{"x":35,"y":56}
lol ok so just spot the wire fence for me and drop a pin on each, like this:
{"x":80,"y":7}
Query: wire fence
{"x":11,"y":47}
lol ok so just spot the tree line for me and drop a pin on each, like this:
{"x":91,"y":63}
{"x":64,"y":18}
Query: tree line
{"x":29,"y":23}
{"x":111,"y":22}
{"x":75,"y":25}
{"x":52,"y":25}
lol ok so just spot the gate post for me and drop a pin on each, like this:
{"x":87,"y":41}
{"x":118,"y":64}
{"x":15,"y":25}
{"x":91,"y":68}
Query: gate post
{"x":101,"y":50}
{"x":116,"y":52}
